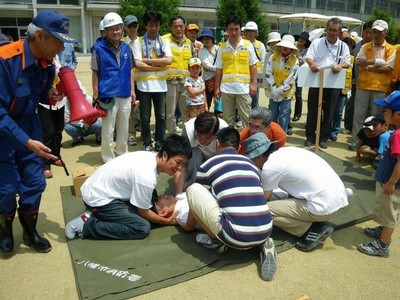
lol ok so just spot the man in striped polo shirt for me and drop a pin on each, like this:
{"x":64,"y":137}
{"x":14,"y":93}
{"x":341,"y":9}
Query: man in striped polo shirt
{"x":227,"y":200}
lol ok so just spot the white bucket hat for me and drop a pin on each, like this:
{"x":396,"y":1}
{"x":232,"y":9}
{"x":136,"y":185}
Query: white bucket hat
{"x":288,"y":42}
{"x":274,"y":37}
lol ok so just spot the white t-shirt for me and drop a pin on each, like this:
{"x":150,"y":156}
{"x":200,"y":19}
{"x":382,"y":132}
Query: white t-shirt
{"x":131,"y":177}
{"x":305,"y":175}
{"x":154,"y":85}
{"x":211,"y":149}
{"x":234,"y":87}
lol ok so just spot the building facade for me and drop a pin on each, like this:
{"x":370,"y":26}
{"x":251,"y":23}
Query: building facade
{"x":85,"y":15}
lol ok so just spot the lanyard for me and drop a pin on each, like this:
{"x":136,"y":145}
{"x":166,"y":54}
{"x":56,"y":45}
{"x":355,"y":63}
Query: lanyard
{"x":338,"y":55}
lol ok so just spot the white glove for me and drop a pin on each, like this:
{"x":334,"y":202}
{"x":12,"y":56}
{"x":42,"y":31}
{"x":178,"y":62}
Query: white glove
{"x":380,"y":62}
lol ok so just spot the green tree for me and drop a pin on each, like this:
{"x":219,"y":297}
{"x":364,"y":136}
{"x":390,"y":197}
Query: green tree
{"x":378,"y":14}
{"x":167,"y":9}
{"x":247,"y":10}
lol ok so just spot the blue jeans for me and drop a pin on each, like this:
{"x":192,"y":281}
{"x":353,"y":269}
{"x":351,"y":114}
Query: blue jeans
{"x":116,"y":220}
{"x":281,"y":112}
{"x":145,"y":113}
{"x":337,"y":115}
{"x":78,"y":132}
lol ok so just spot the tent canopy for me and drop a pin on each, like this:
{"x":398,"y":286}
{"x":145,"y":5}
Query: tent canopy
{"x":312,"y":21}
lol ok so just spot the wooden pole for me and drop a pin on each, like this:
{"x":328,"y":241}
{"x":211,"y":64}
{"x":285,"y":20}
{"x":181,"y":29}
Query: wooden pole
{"x":320,"y":95}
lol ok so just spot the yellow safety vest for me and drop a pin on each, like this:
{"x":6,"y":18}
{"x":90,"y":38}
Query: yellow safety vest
{"x":349,"y":76}
{"x":281,"y":74}
{"x":236,"y":67}
{"x":150,"y":75}
{"x":180,"y":58}
{"x":373,"y":81}
{"x":257,"y":47}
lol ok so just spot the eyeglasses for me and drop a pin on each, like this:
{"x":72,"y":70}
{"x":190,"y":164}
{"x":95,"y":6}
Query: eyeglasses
{"x":133,"y":25}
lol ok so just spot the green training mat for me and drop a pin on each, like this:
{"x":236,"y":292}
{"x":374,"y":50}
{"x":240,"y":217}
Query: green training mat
{"x":124,"y":269}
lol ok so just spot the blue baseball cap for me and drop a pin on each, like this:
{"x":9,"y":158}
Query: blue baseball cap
{"x":392,"y":101}
{"x":55,"y":23}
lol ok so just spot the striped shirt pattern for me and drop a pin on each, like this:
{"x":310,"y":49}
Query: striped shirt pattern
{"x":234,"y":181}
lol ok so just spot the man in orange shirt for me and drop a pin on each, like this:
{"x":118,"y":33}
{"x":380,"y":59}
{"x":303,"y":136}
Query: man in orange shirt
{"x":260,"y":120}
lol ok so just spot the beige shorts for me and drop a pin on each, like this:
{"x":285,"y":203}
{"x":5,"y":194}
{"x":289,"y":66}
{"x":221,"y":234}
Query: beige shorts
{"x":387,"y":210}
{"x":205,"y":206}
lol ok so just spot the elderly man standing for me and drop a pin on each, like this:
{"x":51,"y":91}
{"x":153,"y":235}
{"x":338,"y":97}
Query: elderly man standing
{"x":260,"y":120}
{"x":329,"y":50}
{"x":152,"y":55}
{"x":236,"y":74}
{"x":316,"y":192}
{"x":177,"y":71}
{"x":27,"y":75}
{"x":375,"y":61}
{"x":113,"y":83}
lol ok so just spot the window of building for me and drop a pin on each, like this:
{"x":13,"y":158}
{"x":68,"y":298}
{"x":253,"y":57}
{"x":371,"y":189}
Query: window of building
{"x":69,"y":2}
{"x":47,"y":2}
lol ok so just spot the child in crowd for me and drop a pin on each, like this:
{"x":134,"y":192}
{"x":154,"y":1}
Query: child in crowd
{"x":387,"y":177}
{"x":195,"y":90}
{"x":281,"y":73}
{"x":368,"y":143}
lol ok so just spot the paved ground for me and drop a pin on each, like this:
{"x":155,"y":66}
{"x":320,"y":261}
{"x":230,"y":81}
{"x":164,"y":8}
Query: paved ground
{"x":335,"y":271}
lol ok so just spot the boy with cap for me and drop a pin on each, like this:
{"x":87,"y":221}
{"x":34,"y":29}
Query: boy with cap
{"x":317,"y":193}
{"x":387,"y":177}
{"x":369,"y":137}
{"x":27,"y":73}
{"x":195,"y":90}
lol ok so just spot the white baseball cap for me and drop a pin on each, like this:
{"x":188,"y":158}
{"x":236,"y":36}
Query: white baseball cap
{"x":380,"y":25}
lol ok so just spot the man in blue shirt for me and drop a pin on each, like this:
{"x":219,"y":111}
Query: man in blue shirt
{"x":27,"y":72}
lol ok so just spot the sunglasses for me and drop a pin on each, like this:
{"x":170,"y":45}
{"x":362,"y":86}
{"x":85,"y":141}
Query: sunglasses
{"x":133,"y":25}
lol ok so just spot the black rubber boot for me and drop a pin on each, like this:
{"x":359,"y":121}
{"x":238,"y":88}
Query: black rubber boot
{"x":6,"y":235}
{"x":30,"y":236}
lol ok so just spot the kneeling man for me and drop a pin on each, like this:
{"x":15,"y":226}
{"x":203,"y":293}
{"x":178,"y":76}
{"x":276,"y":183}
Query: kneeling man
{"x":118,"y":195}
{"x":316,"y":192}
{"x":227,"y":201}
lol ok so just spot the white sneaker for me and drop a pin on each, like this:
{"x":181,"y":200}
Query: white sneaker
{"x":349,"y":193}
{"x":239,"y":124}
{"x":268,"y":260}
{"x":74,"y":228}
{"x":178,"y":129}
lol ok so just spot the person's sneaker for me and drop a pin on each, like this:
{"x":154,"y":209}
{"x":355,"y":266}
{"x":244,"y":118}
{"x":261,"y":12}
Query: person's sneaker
{"x":333,"y":138}
{"x":204,"y":240}
{"x":289,"y":131}
{"x":295,"y":118}
{"x":352,"y":146}
{"x":374,"y":248}
{"x":147,"y":148}
{"x":47,"y":174}
{"x":349,"y":193}
{"x":239,"y":124}
{"x":268,"y":260}
{"x":323,"y":145}
{"x":74,"y":228}
{"x":313,"y":238}
{"x":132,"y":141}
{"x":308,"y":143}
{"x":178,"y":129}
{"x":77,"y":142}
{"x":157,"y":147}
{"x":346,"y":131}
{"x":374,"y":233}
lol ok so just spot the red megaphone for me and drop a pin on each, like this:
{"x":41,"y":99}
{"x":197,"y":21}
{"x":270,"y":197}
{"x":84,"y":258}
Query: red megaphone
{"x":79,"y":107}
